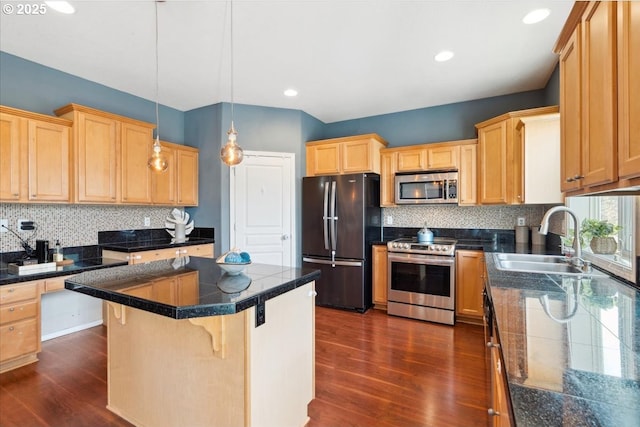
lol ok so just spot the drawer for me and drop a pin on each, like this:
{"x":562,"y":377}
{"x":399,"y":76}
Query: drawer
{"x":18,"y":339}
{"x":18,"y":292}
{"x":205,"y":251}
{"x":15,"y":312}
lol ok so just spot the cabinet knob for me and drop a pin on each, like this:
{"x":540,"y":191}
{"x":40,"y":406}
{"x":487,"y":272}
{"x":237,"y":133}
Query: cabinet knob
{"x":12,"y":309}
{"x":12,"y":289}
{"x":577,"y":177}
{"x":569,"y":179}
{"x":494,"y":345}
{"x":11,"y":328}
{"x":491,"y":412}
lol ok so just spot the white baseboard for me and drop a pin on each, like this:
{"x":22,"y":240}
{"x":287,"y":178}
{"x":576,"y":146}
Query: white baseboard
{"x":71,"y":330}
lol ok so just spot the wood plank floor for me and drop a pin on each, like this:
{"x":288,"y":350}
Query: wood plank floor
{"x":371,"y":370}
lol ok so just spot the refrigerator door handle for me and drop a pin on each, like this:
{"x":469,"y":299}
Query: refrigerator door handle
{"x":325,"y":216}
{"x":332,"y":263}
{"x":334,"y":225}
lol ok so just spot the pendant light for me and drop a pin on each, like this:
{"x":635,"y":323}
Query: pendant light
{"x":158,"y":161}
{"x":231,"y":154}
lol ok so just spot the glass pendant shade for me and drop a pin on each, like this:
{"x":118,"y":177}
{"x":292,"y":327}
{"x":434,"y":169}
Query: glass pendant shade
{"x":231,"y":154}
{"x":158,"y":161}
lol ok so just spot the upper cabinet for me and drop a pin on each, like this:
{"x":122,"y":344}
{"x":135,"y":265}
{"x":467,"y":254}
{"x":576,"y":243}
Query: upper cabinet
{"x":178,"y":185}
{"x":599,"y":50}
{"x":353,"y":154}
{"x":110,"y":154}
{"x":457,"y":155}
{"x":34,"y":157}
{"x":501,"y":159}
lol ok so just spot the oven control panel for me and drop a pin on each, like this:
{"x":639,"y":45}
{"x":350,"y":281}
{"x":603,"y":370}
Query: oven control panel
{"x":446,"y":248}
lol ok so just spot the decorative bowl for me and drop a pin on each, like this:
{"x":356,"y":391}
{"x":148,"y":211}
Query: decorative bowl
{"x":231,"y":268}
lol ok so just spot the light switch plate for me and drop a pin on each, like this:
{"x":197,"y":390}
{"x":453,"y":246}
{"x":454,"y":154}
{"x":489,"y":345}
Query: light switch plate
{"x":147,"y":221}
{"x":521,"y":220}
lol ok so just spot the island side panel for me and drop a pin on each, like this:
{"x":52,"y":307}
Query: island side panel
{"x":164,"y":372}
{"x":281,"y":360}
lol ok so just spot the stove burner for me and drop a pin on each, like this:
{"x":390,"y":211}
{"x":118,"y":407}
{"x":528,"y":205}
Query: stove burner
{"x":440,"y":246}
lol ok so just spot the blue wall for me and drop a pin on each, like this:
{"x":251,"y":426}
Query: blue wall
{"x":33,"y":87}
{"x":30,"y":86}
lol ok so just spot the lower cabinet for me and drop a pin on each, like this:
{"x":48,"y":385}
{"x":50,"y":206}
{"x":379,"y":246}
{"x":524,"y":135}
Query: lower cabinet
{"x":499,"y":410}
{"x":19,"y":324}
{"x":205,"y":251}
{"x":469,"y":285}
{"x":181,"y":289}
{"x":379,"y":278}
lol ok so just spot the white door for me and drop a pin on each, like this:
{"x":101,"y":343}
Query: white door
{"x":262,"y":216}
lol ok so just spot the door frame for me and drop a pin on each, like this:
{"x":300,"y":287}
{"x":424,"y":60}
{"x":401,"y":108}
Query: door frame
{"x":293,"y":238}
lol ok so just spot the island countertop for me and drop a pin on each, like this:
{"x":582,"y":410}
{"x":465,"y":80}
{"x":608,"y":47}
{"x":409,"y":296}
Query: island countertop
{"x":570,"y":347}
{"x":189,"y":287}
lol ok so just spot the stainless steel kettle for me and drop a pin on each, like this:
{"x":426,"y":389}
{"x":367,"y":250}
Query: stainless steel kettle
{"x":425,"y":235}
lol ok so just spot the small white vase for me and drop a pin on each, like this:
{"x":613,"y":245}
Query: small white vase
{"x":180,"y":234}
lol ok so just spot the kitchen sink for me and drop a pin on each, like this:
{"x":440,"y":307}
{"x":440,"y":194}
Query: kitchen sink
{"x":540,"y":264}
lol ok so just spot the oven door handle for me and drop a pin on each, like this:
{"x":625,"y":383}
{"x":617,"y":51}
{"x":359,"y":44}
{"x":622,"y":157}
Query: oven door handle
{"x":421,"y":259}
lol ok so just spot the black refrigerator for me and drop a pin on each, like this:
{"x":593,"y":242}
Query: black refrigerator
{"x":341,"y":217}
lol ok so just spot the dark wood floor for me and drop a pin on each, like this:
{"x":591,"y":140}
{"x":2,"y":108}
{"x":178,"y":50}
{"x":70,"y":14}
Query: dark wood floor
{"x":371,"y":370}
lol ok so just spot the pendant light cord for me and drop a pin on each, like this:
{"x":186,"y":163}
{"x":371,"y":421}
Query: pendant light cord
{"x":231,"y":57}
{"x":157,"y":78}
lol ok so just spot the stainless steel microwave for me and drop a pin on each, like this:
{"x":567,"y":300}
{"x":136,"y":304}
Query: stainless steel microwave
{"x":426,"y":188}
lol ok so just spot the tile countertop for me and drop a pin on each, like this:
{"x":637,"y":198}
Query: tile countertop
{"x":7,"y":278}
{"x":214,"y":292}
{"x":571,"y":348}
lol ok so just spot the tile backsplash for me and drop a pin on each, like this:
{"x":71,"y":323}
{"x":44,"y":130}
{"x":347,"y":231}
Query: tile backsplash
{"x":75,"y":225}
{"x":452,"y":216}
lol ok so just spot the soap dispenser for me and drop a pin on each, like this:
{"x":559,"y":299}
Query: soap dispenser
{"x":425,"y":235}
{"x":57,"y":252}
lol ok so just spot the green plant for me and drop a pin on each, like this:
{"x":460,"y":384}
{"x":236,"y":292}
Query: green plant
{"x":595,"y":228}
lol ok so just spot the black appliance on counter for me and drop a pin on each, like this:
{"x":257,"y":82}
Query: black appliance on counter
{"x":341,"y":217}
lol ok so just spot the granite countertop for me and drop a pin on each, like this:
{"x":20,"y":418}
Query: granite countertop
{"x":78,"y":266}
{"x":571,"y":348}
{"x":215,"y":292}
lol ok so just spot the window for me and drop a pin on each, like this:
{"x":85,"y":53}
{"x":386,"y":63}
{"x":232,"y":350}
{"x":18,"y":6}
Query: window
{"x":618,"y":210}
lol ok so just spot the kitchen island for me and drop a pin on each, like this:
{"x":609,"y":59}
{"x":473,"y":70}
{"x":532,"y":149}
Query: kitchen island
{"x":570,"y":348}
{"x":190,"y":345}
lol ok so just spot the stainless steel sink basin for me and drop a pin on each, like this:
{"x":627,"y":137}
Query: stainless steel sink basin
{"x":540,"y":264}
{"x":556,"y":259}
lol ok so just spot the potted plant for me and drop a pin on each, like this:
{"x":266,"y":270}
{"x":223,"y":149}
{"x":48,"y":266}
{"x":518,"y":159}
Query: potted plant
{"x":600,"y":235}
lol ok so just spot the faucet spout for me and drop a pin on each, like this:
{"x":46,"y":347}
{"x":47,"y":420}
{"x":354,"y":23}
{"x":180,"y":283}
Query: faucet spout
{"x":544,"y":227}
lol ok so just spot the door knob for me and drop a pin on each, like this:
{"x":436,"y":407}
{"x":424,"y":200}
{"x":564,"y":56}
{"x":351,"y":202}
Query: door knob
{"x":285,"y":237}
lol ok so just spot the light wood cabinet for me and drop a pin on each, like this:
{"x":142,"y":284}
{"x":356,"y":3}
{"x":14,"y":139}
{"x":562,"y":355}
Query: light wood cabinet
{"x":353,"y":154}
{"x":380,"y":276}
{"x":499,"y":410}
{"x":469,"y":285}
{"x":110,"y":155}
{"x":501,"y":158}
{"x":178,"y":185}
{"x":387,"y":178}
{"x":181,"y":289}
{"x":598,"y":50}
{"x":34,"y":157}
{"x":205,"y":251}
{"x":19,"y":324}
{"x":467,"y":176}
{"x":457,"y":155}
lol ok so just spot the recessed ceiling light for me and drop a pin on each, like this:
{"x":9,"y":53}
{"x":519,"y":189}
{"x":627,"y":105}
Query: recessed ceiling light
{"x":536,"y":16}
{"x":291,"y":92}
{"x":61,"y":6}
{"x":445,"y":55}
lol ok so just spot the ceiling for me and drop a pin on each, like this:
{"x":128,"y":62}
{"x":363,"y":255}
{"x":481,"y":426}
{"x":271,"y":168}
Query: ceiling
{"x":347,"y":59}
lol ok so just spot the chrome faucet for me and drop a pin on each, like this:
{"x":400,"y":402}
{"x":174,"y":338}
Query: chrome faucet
{"x":544,"y":229}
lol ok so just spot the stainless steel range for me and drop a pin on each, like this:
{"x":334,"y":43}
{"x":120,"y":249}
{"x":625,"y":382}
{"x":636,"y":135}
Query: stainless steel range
{"x":422,"y":279}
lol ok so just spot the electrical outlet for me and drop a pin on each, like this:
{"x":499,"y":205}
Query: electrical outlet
{"x":521,"y":220}
{"x":389,"y":220}
{"x":25,"y":225}
{"x":147,"y":221}
{"x":3,"y":223}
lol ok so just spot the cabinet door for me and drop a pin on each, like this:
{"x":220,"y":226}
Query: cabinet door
{"x":492,"y":163}
{"x":571,"y":113}
{"x":188,"y":291}
{"x":135,"y":150}
{"x":96,"y":157}
{"x":628,"y":89}
{"x":323,"y":159}
{"x":443,"y":157}
{"x":163,"y":184}
{"x":380,"y":276}
{"x":357,"y":156}
{"x":187,"y":185}
{"x":49,"y":165}
{"x":467,"y":176}
{"x":10,"y":161}
{"x":18,"y":339}
{"x":469,"y":283}
{"x":387,"y":179}
{"x":498,"y":393}
{"x":412,"y":160}
{"x":599,"y":142}
{"x":164,"y":290}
